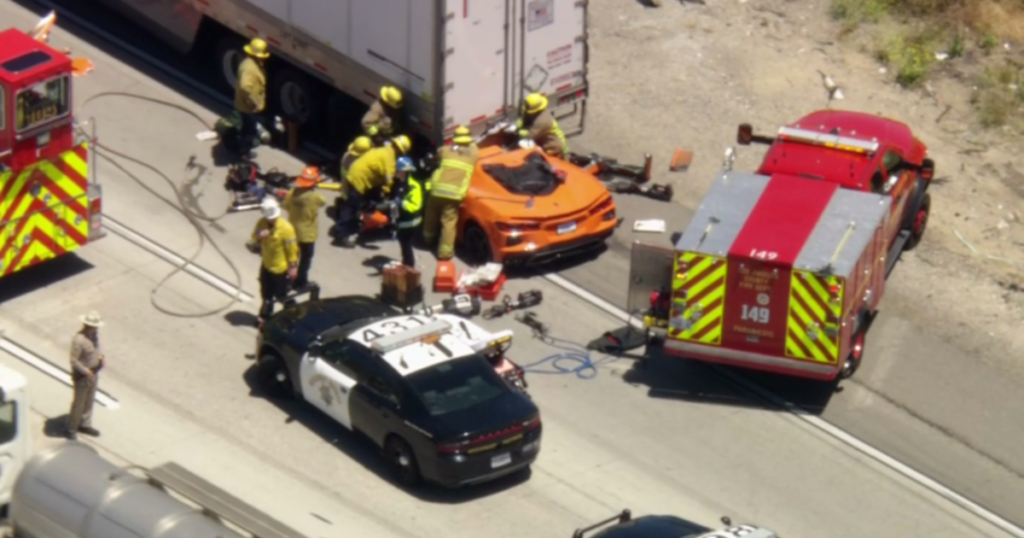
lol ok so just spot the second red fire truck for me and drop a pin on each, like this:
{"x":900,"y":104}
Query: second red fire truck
{"x":781,"y":269}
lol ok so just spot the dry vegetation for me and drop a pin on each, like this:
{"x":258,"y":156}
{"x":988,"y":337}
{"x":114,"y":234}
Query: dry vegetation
{"x":976,"y":41}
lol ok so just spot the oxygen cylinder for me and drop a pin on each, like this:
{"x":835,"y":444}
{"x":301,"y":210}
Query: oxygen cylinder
{"x":69,"y":491}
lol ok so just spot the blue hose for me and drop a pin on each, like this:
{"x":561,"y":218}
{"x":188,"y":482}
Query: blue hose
{"x":573,"y":359}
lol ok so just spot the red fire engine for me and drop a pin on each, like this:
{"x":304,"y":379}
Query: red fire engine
{"x":49,"y":206}
{"x":782,"y":269}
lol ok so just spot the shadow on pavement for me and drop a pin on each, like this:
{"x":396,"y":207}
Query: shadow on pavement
{"x":363,"y":451}
{"x":41,"y":275}
{"x":240,"y":318}
{"x":56,"y":427}
{"x":688,"y":380}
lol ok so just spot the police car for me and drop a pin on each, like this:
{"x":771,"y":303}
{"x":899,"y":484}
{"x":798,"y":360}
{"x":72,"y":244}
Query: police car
{"x":624,"y":525}
{"x":417,"y":386}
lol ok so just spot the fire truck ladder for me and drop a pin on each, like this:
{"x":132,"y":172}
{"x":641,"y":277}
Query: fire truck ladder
{"x":217,"y":503}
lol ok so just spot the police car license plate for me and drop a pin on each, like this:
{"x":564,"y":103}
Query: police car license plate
{"x":566,"y":227}
{"x":501,"y":460}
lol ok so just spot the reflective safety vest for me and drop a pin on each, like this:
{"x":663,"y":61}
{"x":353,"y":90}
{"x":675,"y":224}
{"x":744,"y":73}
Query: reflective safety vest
{"x":410,"y":213}
{"x":452,"y":177}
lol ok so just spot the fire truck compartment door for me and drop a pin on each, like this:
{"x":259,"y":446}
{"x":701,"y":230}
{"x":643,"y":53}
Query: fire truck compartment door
{"x":650,"y":269}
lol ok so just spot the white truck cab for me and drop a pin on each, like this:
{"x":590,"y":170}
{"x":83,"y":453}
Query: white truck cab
{"x":14,"y":432}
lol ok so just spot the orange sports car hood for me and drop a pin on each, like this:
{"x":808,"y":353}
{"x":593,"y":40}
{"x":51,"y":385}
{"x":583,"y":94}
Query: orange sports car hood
{"x":579,"y":191}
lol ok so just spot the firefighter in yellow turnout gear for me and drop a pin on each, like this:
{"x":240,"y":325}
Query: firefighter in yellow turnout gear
{"x":384,"y":118}
{"x":279,"y":253}
{"x":370,"y":174}
{"x":303,"y":203}
{"x":448,"y":187}
{"x":538,"y":124}
{"x":251,"y":93}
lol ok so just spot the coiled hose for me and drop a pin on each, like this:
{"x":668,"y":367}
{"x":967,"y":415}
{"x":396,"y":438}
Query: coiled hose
{"x":572,"y":359}
{"x":112,"y":155}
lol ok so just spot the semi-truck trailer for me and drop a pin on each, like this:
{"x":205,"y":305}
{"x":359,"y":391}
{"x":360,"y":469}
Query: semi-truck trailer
{"x":457,"y":61}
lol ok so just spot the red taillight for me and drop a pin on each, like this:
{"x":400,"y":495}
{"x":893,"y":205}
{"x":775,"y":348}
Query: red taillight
{"x":833,"y":288}
{"x":516,"y":226}
{"x":95,"y":206}
{"x":605,"y":204}
{"x":451,"y":448}
{"x":532,"y":423}
{"x":926,"y":173}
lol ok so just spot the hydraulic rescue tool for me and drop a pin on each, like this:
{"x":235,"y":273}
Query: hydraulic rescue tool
{"x":461,"y":304}
{"x":623,"y":178}
{"x":525,"y":299}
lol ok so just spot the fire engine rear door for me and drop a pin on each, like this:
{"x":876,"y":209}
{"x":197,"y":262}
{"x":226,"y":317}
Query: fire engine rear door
{"x":650,"y":270}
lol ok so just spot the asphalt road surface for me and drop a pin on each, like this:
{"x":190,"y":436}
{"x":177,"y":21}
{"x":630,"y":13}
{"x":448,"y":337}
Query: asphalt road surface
{"x":672,"y":438}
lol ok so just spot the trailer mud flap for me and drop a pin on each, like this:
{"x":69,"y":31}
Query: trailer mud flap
{"x":650,"y":271}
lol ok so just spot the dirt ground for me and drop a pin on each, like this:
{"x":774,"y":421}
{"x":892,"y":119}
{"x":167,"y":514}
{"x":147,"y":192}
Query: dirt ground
{"x":685,"y":74}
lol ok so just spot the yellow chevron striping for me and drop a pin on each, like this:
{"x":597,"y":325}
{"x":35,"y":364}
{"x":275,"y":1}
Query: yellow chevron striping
{"x":76,"y":163}
{"x":809,"y":324}
{"x":693,"y":277}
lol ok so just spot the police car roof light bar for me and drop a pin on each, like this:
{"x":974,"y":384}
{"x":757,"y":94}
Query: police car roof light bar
{"x":842,"y":143}
{"x":395,"y":341}
{"x":492,"y":340}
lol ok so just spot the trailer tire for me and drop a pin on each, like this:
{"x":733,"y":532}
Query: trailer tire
{"x":298,"y":97}
{"x":920,"y":221}
{"x":227,"y":56}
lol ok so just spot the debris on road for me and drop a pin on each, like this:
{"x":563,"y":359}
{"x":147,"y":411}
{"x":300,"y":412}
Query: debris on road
{"x":623,"y":178}
{"x":681,"y":159}
{"x":649,"y":225}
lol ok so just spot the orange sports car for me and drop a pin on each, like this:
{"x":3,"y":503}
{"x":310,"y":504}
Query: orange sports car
{"x":526,"y":207}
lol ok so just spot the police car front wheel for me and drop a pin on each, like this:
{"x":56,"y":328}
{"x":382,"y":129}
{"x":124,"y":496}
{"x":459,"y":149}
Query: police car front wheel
{"x":403,"y":461}
{"x":273,"y":377}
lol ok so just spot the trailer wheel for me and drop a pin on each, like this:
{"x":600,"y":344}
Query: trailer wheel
{"x":298,"y":97}
{"x":853,"y":361}
{"x":920,"y":222}
{"x":226,"y":58}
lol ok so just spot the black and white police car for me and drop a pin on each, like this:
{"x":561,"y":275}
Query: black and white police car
{"x":624,"y":525}
{"x":417,"y":386}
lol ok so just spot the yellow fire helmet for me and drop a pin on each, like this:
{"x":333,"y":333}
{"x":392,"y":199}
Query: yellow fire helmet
{"x":402,"y":143}
{"x":462,"y":136}
{"x":257,"y":48}
{"x":360,"y":145}
{"x":391,"y":96}
{"x":534,"y":103}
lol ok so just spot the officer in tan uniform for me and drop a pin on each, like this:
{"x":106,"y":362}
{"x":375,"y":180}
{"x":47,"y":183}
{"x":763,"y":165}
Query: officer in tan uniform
{"x":448,"y":187}
{"x":384,"y":118}
{"x":539,"y":125}
{"x":86,"y":363}
{"x":251,"y":93}
{"x":303,"y":204}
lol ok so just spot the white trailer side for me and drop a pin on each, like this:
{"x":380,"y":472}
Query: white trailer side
{"x":457,"y":61}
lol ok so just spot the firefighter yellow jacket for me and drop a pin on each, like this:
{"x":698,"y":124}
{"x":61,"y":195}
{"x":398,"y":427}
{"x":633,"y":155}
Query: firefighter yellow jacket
{"x":303,"y":206}
{"x":375,"y":168}
{"x":543,"y":129}
{"x":279,"y":250}
{"x":251,"y":87}
{"x":382,"y":120}
{"x":454,"y":172}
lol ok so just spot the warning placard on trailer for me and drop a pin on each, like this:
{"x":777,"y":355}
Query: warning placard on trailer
{"x":540,"y":13}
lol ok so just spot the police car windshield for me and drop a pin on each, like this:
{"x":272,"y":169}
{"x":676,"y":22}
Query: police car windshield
{"x":456,"y":385}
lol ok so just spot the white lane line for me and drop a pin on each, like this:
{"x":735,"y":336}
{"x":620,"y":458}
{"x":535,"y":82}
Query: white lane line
{"x":48,"y":368}
{"x":170,"y":257}
{"x":817,"y":422}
